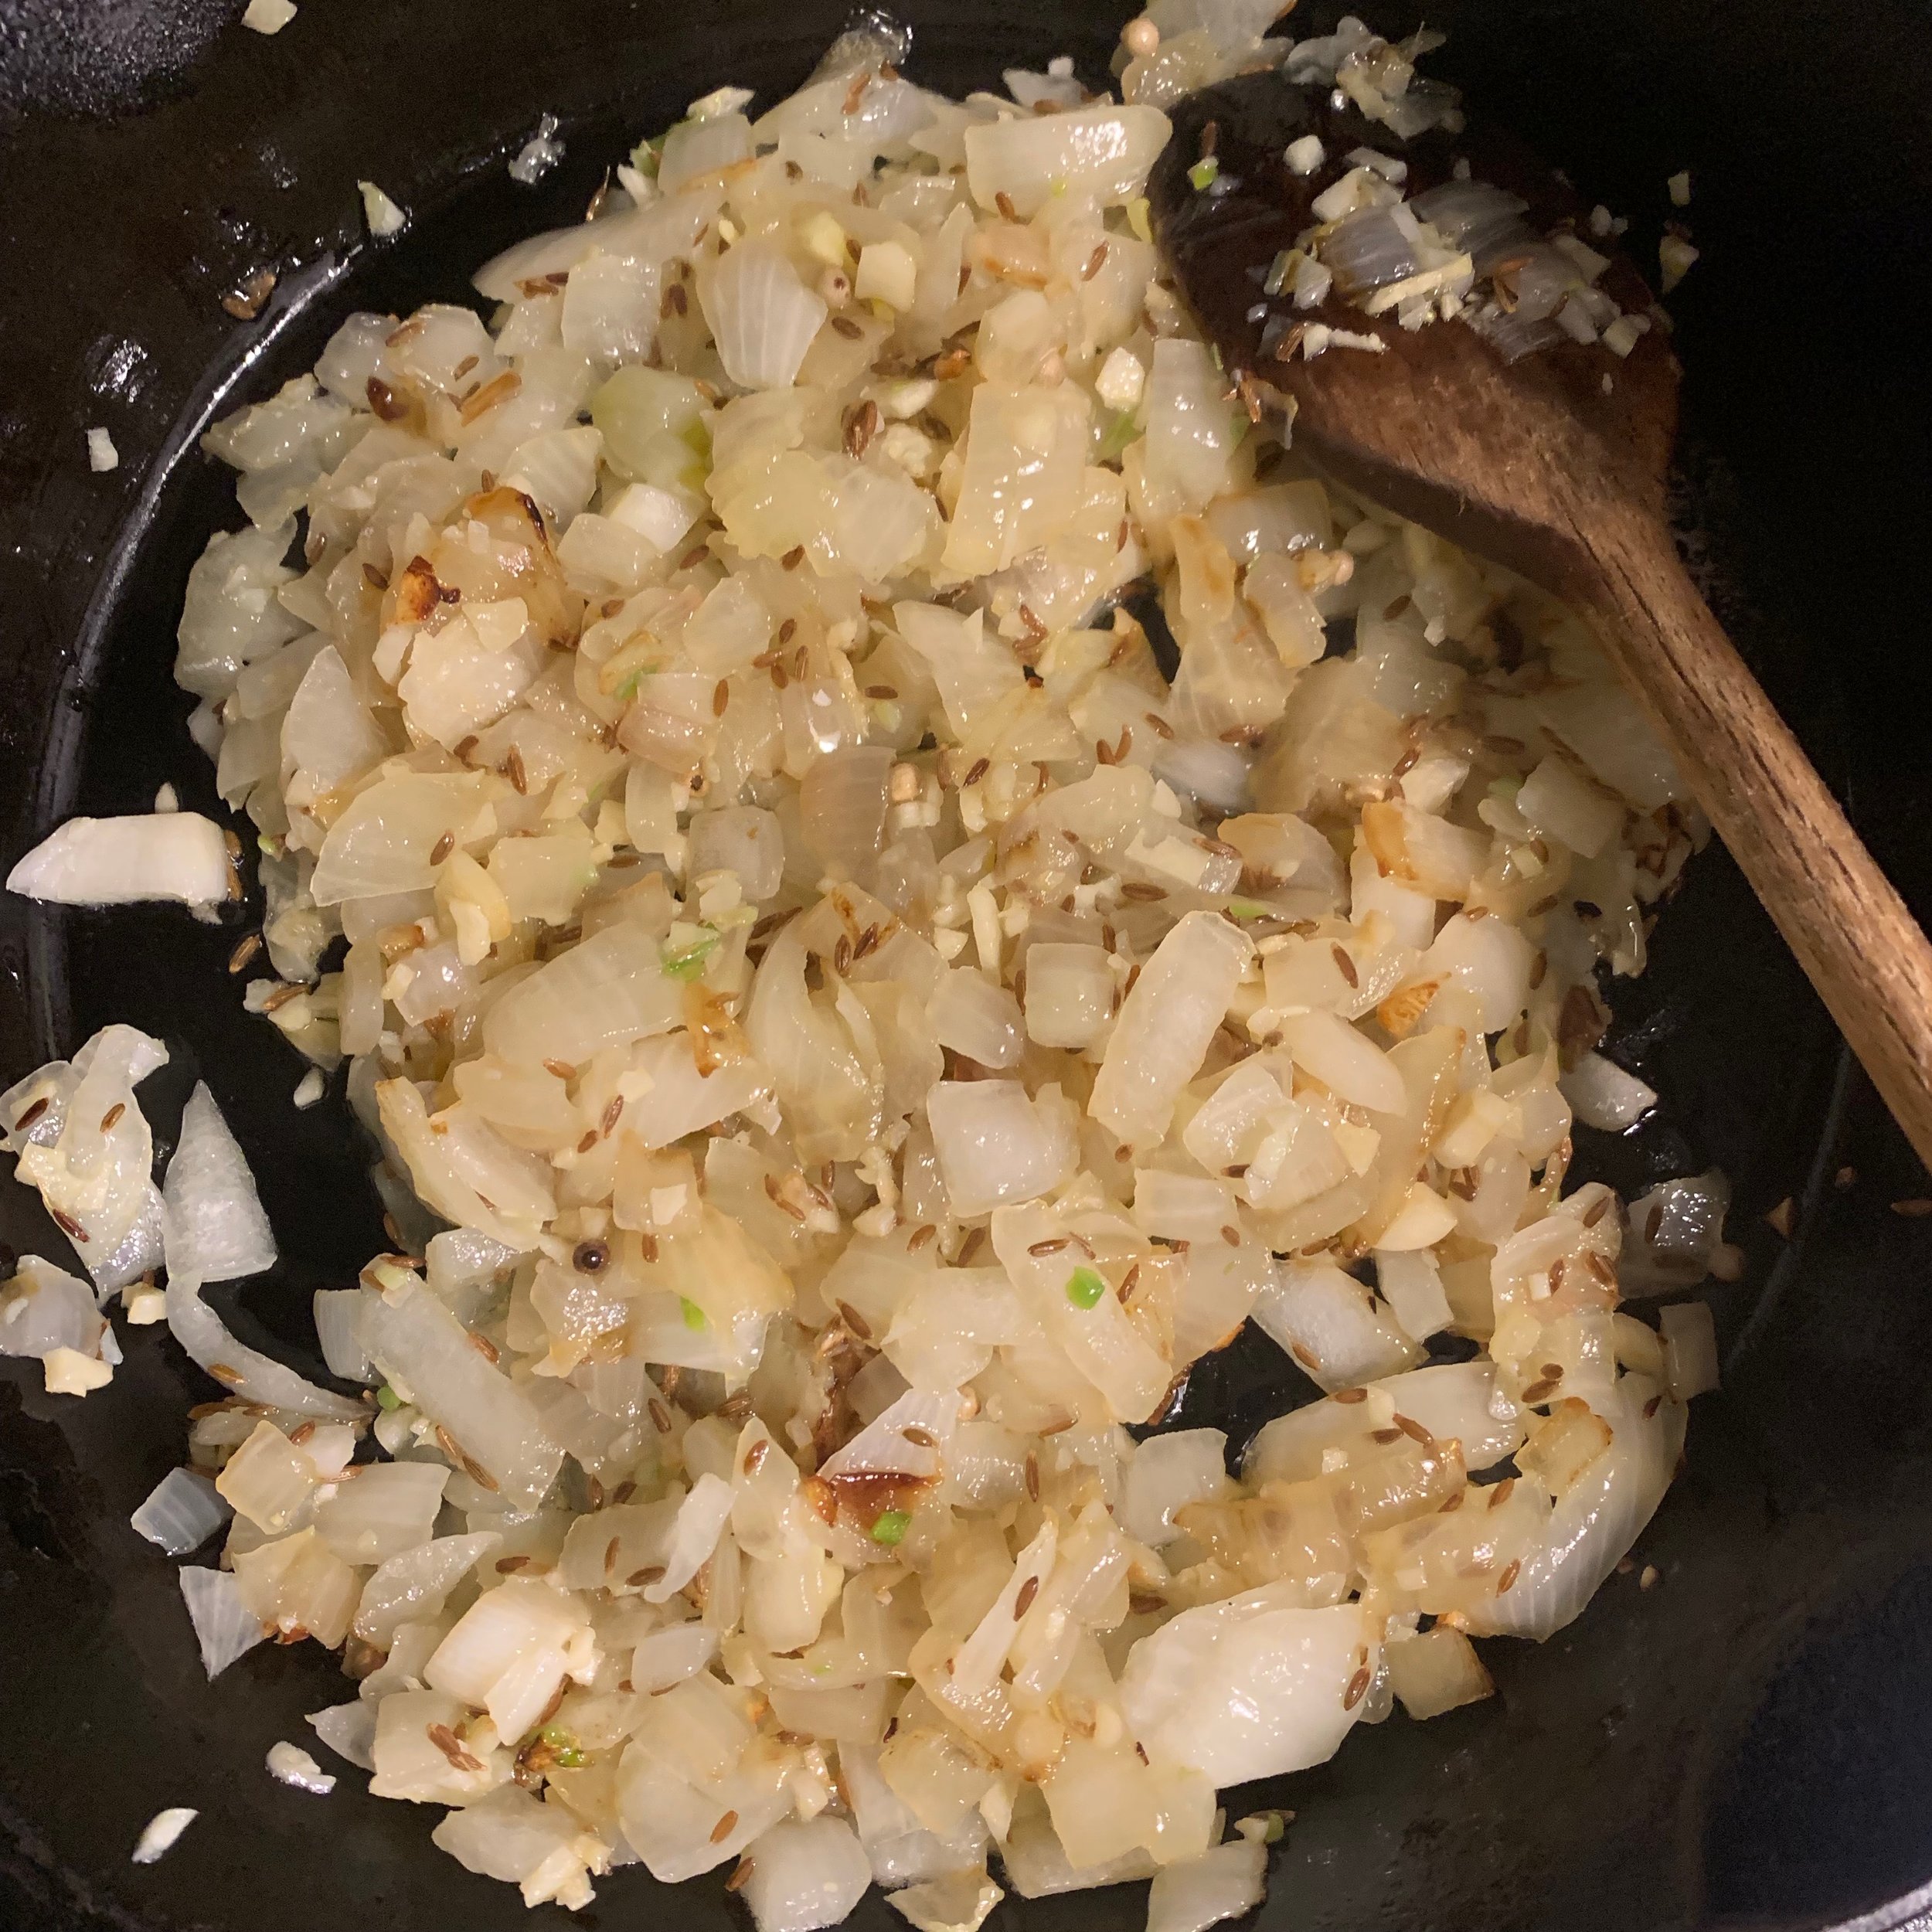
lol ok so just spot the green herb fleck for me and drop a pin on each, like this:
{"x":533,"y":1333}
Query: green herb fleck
{"x":570,"y":1759}
{"x":1084,"y":1288}
{"x":646,"y":154}
{"x":1248,"y":909}
{"x":387,"y":1398}
{"x":694,"y":1316}
{"x":687,"y":961}
{"x":1204,"y":173}
{"x":1121,"y":432}
{"x":890,"y":1527}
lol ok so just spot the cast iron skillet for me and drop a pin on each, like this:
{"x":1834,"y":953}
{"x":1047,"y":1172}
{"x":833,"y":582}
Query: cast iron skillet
{"x":1750,"y":1742}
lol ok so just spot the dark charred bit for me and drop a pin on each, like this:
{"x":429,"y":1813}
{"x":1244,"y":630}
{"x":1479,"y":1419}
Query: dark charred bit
{"x":1142,"y":603}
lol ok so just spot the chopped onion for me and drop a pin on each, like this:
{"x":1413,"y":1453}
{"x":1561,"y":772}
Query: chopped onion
{"x":44,"y":1308}
{"x":1102,"y":153}
{"x":337,"y":1315}
{"x":1674,"y":1231}
{"x":1690,"y":1349}
{"x":419,"y":1344}
{"x":1164,"y":1025}
{"x":1331,"y":1326}
{"x":414,"y":1586}
{"x":1251,"y":1687}
{"x":1436,"y":1671}
{"x":389,"y":1509}
{"x":1167,"y":1474}
{"x":247,"y":1372}
{"x":701,"y":1519}
{"x":1602,"y":1095}
{"x":1595,"y":1522}
{"x":224,"y":1627}
{"x":215,"y":1229}
{"x":993,"y":1143}
{"x":762,"y":316}
{"x":176,"y":855}
{"x":804,"y":1875}
{"x":349,"y":1731}
{"x":181,"y":1512}
{"x":841,"y":805}
{"x":542,"y":1849}
{"x":1223,"y":1883}
{"x":956,"y":1902}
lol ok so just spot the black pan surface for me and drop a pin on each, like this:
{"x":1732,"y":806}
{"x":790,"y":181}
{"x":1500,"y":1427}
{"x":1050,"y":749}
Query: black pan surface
{"x":1749,"y":1743}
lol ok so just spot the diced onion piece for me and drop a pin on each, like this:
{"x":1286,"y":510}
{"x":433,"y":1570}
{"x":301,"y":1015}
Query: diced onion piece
{"x":1254,"y":1686}
{"x":1411,"y":1284}
{"x":1070,"y":994}
{"x":224,"y":1628}
{"x":176,"y":855}
{"x":414,"y":1586}
{"x":349,"y":1731}
{"x":1103,"y":153}
{"x":1436,"y":1671}
{"x":1602,"y":1095}
{"x":1348,"y":1063}
{"x":1596,"y":1520}
{"x":419,"y":1344}
{"x":1690,"y":1349}
{"x":1224,"y":1883}
{"x":762,"y":316}
{"x":338,"y":1312}
{"x":1168,"y":1473}
{"x":1331,"y":1326}
{"x":181,"y":1512}
{"x":959,"y":1901}
{"x":994,"y":1145}
{"x":805,"y":1876}
{"x":215,"y":1228}
{"x":543,"y":1849}
{"x":1165,"y":1026}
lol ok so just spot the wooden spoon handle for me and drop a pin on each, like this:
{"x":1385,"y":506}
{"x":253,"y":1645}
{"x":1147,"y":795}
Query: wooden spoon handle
{"x":1839,"y":913}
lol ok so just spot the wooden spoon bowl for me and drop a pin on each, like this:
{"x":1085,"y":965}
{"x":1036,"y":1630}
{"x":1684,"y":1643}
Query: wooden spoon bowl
{"x":1556,"y":465}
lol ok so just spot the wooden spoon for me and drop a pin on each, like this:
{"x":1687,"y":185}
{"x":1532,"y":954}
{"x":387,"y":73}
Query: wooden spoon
{"x":1544,"y":465}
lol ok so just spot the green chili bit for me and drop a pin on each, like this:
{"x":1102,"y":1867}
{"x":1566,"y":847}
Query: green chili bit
{"x":694,"y":1316}
{"x":1121,"y":432}
{"x":686,"y":961}
{"x":387,"y":1398}
{"x":890,"y":1527}
{"x":1084,"y":1288}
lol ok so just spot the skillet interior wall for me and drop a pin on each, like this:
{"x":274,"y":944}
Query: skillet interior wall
{"x":1746,"y":1743}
